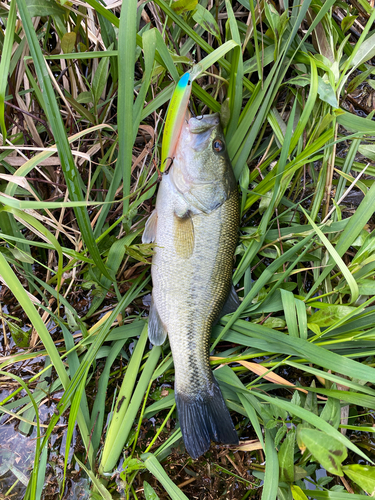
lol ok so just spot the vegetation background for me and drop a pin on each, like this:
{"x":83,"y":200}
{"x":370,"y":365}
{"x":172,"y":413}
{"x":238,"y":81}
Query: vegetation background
{"x":87,"y":407}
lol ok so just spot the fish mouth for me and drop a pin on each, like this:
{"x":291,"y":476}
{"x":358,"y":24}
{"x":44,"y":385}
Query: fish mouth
{"x":199,"y":130}
{"x":204,"y":123}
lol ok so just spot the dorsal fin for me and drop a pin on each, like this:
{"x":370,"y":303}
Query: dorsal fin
{"x":156,"y":330}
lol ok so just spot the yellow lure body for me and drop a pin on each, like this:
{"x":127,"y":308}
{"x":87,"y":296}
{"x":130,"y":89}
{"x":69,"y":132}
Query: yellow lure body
{"x":175,"y":118}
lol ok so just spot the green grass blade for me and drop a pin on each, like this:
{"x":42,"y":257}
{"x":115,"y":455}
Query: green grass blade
{"x":39,"y":393}
{"x":54,"y":117}
{"x":74,"y":409}
{"x":333,"y":495}
{"x":5,"y":62}
{"x":100,"y":488}
{"x":22,"y":297}
{"x":34,"y":475}
{"x":97,"y":416}
{"x":112,"y":449}
{"x":261,"y":282}
{"x":235,"y":77}
{"x":149,"y":47}
{"x":153,"y":465}
{"x":126,"y":62}
{"x":302,"y":348}
{"x":336,"y":257}
{"x":350,"y":233}
{"x":131,"y":413}
{"x":271,"y":477}
{"x":333,"y":378}
{"x":28,"y":219}
{"x":290,"y":312}
{"x":314,"y":420}
{"x":252,"y":249}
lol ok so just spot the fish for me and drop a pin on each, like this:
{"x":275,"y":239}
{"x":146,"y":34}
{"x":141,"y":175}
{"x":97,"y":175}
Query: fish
{"x":195,"y":228}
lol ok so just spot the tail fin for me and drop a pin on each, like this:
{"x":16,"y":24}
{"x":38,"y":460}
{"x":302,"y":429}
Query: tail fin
{"x":203,"y":418}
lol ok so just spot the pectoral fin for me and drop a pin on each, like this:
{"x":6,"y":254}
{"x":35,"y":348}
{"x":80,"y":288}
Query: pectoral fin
{"x":183,"y":236}
{"x":156,"y":331}
{"x":231,"y":304}
{"x":149,"y":234}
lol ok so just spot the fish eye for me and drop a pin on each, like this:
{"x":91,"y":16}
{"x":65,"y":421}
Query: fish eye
{"x":218,"y":145}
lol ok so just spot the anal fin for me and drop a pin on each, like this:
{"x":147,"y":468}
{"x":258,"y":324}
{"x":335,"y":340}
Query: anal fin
{"x":232,"y":303}
{"x":156,"y":330}
{"x":149,"y":234}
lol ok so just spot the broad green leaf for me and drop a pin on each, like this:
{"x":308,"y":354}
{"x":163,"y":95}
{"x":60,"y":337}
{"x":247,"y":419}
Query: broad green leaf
{"x":274,"y":323}
{"x":182,"y":6}
{"x":286,"y":457}
{"x":363,"y":475}
{"x":297,"y":493}
{"x":347,"y":22}
{"x":326,"y":450}
{"x":314,"y":420}
{"x":330,"y":315}
{"x":326,"y":93}
{"x":205,"y":19}
{"x":44,"y":8}
{"x":130,"y":465}
{"x":311,"y":403}
{"x":365,"y":52}
{"x":68,"y":42}
{"x":357,"y":80}
{"x":284,"y":492}
{"x":299,"y":473}
{"x":21,"y":255}
{"x":20,"y":337}
{"x":368,"y":150}
{"x":100,"y":79}
{"x":356,"y":124}
{"x":149,"y":491}
{"x":331,"y":412}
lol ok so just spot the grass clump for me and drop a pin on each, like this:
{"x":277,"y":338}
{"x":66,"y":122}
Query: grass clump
{"x":83,"y":96}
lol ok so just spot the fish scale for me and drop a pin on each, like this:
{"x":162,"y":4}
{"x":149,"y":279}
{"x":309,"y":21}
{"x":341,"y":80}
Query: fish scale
{"x":191,"y":274}
{"x":200,"y":287}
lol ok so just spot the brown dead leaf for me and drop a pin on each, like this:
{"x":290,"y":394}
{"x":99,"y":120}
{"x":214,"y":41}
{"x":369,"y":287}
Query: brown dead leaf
{"x":261,"y":371}
{"x":250,"y":445}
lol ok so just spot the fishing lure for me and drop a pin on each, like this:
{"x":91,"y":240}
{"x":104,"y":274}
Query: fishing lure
{"x":176,"y":114}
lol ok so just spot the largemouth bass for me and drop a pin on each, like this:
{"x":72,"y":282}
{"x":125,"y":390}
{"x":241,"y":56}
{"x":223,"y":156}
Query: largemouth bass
{"x":195,"y":226}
